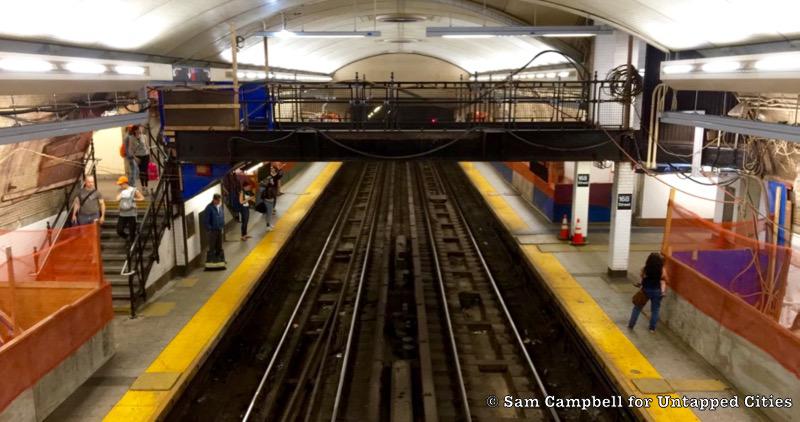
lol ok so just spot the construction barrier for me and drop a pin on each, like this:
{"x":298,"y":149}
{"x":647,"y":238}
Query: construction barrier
{"x":53,"y":299}
{"x":735,"y":274}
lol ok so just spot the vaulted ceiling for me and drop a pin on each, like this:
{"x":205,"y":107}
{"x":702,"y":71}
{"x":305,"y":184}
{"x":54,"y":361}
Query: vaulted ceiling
{"x":200,"y":29}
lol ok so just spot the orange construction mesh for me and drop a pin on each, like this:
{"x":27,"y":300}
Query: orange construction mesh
{"x":738,"y":276}
{"x":42,"y":270}
{"x":740,"y":257}
{"x":52,"y":301}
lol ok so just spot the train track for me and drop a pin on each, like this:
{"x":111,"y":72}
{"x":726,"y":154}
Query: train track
{"x":309,"y":359}
{"x":486,"y":349}
{"x":400,"y":319}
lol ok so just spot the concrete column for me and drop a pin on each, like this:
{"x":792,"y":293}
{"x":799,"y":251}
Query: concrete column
{"x":580,"y":197}
{"x":697,"y":151}
{"x":619,"y":237}
{"x":725,"y":212}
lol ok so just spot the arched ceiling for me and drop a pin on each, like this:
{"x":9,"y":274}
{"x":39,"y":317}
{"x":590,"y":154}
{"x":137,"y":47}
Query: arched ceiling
{"x":199,"y":29}
{"x":327,"y":55}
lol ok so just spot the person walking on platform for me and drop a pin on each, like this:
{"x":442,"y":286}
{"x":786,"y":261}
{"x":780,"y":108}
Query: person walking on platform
{"x":129,"y":147}
{"x":269,"y":195}
{"x":141,"y":157}
{"x":214,"y":223}
{"x":88,"y":207}
{"x":127,"y":197}
{"x":247,"y":199}
{"x":654,"y":286}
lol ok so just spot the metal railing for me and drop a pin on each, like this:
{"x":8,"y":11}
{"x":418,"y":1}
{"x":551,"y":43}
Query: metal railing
{"x":411,"y":105}
{"x":88,"y":166}
{"x":142,"y":252}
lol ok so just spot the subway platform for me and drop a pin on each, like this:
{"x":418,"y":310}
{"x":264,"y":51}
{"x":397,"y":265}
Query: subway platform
{"x":665,"y":356}
{"x":142,"y":342}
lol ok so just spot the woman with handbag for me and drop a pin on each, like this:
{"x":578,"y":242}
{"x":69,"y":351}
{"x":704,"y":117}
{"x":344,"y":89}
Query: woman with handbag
{"x":654,"y":286}
{"x":247,"y":198}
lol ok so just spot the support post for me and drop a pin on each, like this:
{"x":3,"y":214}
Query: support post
{"x":12,"y":291}
{"x":235,"y":75}
{"x":724,"y":208}
{"x":580,"y":197}
{"x":697,"y":151}
{"x":668,"y":222}
{"x":619,"y":237}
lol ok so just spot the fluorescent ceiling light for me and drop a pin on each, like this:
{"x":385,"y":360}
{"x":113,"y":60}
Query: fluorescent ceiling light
{"x":253,"y":168}
{"x":317,"y":34}
{"x":674,"y":69}
{"x":314,"y":78}
{"x":551,"y":75}
{"x":787,"y":62}
{"x":516,"y":31}
{"x":540,"y":76}
{"x":25,"y":65}
{"x":85,"y":67}
{"x":563,"y":74}
{"x":468,"y":36}
{"x":129,"y":70}
{"x":566,"y":35}
{"x":721,"y":67}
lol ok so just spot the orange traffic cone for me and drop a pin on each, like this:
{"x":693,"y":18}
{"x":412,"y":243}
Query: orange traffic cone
{"x":564,"y":233}
{"x":577,"y":238}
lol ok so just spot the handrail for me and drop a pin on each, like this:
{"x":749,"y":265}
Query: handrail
{"x":89,"y":160}
{"x":149,"y":230}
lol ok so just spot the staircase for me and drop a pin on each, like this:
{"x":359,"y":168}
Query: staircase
{"x":114,"y":253}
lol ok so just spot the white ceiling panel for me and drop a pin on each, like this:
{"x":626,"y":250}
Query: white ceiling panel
{"x":200,"y":29}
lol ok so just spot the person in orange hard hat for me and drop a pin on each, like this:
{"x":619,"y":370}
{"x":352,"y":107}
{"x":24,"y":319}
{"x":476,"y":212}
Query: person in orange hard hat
{"x":127,"y":197}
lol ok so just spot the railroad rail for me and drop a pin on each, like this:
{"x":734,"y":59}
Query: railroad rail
{"x":299,"y":372}
{"x":401,"y":288}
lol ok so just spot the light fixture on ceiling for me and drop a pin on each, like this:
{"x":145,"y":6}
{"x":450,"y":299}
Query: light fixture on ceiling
{"x":467,"y":36}
{"x":778,"y":63}
{"x":516,"y":31}
{"x":551,"y":75}
{"x":721,"y":66}
{"x":676,"y":69}
{"x":25,"y":65}
{"x":400,"y":18}
{"x":564,"y":74}
{"x":85,"y":67}
{"x":400,"y":40}
{"x":317,"y":34}
{"x":130,"y":70}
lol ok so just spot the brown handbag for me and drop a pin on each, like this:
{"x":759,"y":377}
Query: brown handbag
{"x":639,"y":299}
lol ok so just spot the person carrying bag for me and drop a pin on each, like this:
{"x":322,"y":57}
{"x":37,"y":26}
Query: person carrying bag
{"x":653,"y":288}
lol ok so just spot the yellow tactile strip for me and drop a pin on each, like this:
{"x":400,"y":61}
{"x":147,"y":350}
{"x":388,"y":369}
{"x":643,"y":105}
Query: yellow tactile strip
{"x":620,"y":358}
{"x":187,"y":351}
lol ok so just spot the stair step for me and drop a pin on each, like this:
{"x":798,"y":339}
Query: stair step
{"x":116,"y":279}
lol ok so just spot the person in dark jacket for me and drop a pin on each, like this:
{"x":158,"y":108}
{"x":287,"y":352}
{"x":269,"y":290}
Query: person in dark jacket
{"x":654,"y":285}
{"x":214,"y":223}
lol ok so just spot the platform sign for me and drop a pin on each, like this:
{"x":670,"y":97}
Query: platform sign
{"x":583,"y":180}
{"x":624,"y":201}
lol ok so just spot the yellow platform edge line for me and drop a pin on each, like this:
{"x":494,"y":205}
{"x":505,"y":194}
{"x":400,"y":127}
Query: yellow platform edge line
{"x":620,"y":358}
{"x":190,"y":347}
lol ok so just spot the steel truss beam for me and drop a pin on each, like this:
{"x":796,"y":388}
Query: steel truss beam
{"x":462,"y":145}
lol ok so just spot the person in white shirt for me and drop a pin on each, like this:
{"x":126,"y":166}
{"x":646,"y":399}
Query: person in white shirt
{"x":127,"y":197}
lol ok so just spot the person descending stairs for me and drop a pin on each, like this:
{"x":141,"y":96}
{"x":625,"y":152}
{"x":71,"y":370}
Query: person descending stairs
{"x":114,"y":252}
